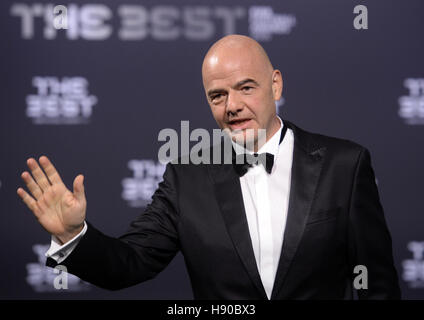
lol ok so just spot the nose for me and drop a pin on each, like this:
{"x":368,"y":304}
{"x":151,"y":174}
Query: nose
{"x":234,"y":105}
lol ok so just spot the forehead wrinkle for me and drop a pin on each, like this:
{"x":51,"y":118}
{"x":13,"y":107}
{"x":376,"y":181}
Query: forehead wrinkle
{"x":237,"y":84}
{"x":234,"y":80}
{"x":229,"y":74}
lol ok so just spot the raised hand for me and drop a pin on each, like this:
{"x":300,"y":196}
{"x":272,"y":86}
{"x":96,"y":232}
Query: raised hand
{"x":60,"y":211}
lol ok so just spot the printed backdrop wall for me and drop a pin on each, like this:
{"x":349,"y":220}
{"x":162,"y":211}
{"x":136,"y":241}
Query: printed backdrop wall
{"x":94,"y":97}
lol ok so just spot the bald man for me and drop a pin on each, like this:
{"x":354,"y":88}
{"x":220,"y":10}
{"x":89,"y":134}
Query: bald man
{"x":301,"y":220}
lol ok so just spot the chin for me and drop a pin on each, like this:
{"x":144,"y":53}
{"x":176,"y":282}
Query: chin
{"x":246,"y":137}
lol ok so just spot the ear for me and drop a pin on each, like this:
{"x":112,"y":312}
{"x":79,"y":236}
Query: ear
{"x":277,"y":84}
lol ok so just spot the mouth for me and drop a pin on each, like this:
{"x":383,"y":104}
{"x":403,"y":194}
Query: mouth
{"x":239,"y":124}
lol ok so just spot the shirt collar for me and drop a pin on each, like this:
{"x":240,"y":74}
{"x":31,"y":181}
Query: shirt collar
{"x":271,"y":146}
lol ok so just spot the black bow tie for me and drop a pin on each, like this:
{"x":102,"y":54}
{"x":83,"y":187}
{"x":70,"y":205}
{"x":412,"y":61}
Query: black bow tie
{"x":242,"y":162}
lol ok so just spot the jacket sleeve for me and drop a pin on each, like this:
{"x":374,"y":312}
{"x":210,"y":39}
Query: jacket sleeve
{"x":370,"y":243}
{"x":148,"y":246}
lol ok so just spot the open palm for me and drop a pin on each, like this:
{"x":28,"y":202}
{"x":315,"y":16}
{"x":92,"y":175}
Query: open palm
{"x":60,"y":211}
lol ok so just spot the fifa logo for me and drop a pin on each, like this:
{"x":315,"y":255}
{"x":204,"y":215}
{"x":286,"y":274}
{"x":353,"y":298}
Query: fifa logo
{"x":264,"y":23}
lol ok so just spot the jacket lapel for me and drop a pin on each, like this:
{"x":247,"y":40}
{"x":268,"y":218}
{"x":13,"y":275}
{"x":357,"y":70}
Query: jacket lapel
{"x":230,"y":199}
{"x":306,"y":168}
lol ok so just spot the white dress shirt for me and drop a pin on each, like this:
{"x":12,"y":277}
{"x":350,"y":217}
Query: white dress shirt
{"x":266,"y":199}
{"x":60,"y":252}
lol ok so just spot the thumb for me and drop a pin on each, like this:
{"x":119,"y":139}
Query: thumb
{"x":79,"y":187}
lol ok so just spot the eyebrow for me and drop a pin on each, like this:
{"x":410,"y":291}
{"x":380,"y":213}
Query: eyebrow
{"x":245,"y":81}
{"x":237,"y":85}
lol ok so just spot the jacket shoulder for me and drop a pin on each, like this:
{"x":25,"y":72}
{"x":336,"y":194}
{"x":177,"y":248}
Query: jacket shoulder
{"x":316,"y":140}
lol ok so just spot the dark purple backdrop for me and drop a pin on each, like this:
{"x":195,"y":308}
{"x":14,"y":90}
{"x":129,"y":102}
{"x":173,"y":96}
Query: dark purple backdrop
{"x":112,"y":86}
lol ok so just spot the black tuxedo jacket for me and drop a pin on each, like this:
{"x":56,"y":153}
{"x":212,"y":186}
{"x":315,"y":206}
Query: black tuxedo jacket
{"x":335,"y":221}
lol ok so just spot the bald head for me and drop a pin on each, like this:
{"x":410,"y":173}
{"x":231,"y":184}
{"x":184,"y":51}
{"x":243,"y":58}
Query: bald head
{"x":235,"y":49}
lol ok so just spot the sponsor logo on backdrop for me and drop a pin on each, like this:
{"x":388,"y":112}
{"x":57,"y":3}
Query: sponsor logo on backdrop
{"x":264,"y":23}
{"x":138,"y":189}
{"x":42,"y":278}
{"x":60,"y":101}
{"x":131,"y":22}
{"x":413,"y":269}
{"x":411,"y":106}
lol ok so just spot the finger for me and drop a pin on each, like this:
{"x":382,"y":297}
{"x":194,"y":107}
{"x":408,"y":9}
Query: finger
{"x":79,"y":188}
{"x":38,"y":174}
{"x":29,"y":201}
{"x":47,"y":200}
{"x":31,"y":185}
{"x":50,"y":170}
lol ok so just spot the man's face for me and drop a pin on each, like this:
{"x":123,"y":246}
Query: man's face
{"x":242,"y":94}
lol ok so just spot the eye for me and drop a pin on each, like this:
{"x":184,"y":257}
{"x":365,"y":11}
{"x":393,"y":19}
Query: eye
{"x":216,"y":98}
{"x":246,"y":89}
